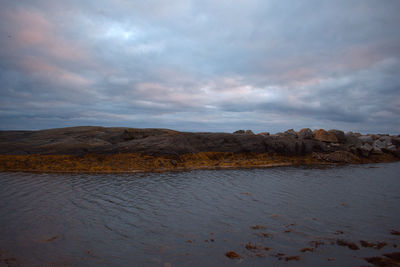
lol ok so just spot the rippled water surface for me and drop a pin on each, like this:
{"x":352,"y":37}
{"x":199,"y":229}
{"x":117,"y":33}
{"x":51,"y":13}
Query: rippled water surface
{"x":194,"y":218}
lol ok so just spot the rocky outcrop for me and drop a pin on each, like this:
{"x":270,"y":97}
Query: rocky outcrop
{"x":169,"y":146}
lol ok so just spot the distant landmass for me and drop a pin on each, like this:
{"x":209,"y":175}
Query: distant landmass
{"x":117,"y":149}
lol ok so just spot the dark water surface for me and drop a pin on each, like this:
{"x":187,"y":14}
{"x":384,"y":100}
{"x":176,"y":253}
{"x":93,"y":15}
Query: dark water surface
{"x":194,"y":218}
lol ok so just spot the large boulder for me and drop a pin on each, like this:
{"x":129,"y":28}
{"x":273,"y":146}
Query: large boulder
{"x":239,"y":132}
{"x":339,"y":135}
{"x":249,"y":132}
{"x":366,"y":139}
{"x":386,"y":139}
{"x":324,"y":136}
{"x":290,"y":133}
{"x":379,"y":144}
{"x":365,"y":150}
{"x":305,"y":133}
{"x":352,"y":140}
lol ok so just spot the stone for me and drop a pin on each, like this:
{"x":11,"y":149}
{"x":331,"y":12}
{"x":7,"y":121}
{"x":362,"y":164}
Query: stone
{"x":264,"y":134}
{"x":324,"y":136}
{"x":239,"y":132}
{"x":249,"y":132}
{"x":379,"y":144}
{"x":365,"y":150}
{"x":366,"y":139}
{"x":396,"y":141}
{"x":305,"y":133}
{"x":387,"y":140}
{"x":376,"y":151}
{"x":290,"y":133}
{"x":339,"y":135}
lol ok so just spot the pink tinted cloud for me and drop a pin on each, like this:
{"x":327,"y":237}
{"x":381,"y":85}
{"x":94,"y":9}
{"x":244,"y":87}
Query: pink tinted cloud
{"x":51,"y":72}
{"x":35,"y":32}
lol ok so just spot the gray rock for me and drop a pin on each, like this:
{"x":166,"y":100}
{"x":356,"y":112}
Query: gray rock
{"x":366,"y":139}
{"x":387,"y":140}
{"x":249,"y":132}
{"x":365,"y":150}
{"x":379,"y":144}
{"x":239,"y":132}
{"x":353,"y":141}
{"x":305,"y":133}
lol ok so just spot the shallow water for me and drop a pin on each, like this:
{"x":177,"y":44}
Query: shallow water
{"x":194,"y":218}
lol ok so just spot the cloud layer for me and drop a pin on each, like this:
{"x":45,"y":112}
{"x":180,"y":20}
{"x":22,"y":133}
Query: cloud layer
{"x":201,"y":65}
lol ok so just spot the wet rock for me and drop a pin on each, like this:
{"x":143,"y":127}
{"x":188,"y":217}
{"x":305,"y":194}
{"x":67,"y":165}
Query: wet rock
{"x":366,"y":244}
{"x":265,"y":234}
{"x":394,"y":232}
{"x":232,"y":255}
{"x":324,"y":136}
{"x":52,"y":238}
{"x":394,"y":256}
{"x":379,"y":261}
{"x":292,"y":258}
{"x":377,"y":245}
{"x":290,"y":133}
{"x":249,"y":132}
{"x":380,"y":245}
{"x":257,"y":227}
{"x":317,"y":243}
{"x":250,"y":246}
{"x":307,"y":249}
{"x":340,"y":136}
{"x":350,"y":245}
{"x":305,"y":133}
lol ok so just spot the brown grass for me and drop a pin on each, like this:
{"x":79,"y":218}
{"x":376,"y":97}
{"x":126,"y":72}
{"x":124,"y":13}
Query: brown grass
{"x":134,"y":162}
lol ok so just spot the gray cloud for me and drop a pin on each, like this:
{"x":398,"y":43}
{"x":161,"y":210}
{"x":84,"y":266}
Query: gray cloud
{"x":200,"y":65}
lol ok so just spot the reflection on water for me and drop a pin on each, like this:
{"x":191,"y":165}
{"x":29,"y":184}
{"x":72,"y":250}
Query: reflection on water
{"x":182,"y":218}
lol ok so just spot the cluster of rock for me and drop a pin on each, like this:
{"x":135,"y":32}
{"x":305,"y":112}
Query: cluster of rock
{"x":356,"y":143}
{"x":332,"y":145}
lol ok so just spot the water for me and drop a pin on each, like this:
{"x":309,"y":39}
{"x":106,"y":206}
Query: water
{"x":194,"y":218}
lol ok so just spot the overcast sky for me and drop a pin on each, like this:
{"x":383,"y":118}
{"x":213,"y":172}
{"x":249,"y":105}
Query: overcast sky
{"x":201,"y":65}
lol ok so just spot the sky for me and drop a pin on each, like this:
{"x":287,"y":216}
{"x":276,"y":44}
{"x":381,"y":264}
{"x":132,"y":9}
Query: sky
{"x":203,"y":65}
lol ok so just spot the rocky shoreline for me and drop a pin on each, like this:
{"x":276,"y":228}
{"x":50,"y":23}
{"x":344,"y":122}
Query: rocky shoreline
{"x":100,"y":149}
